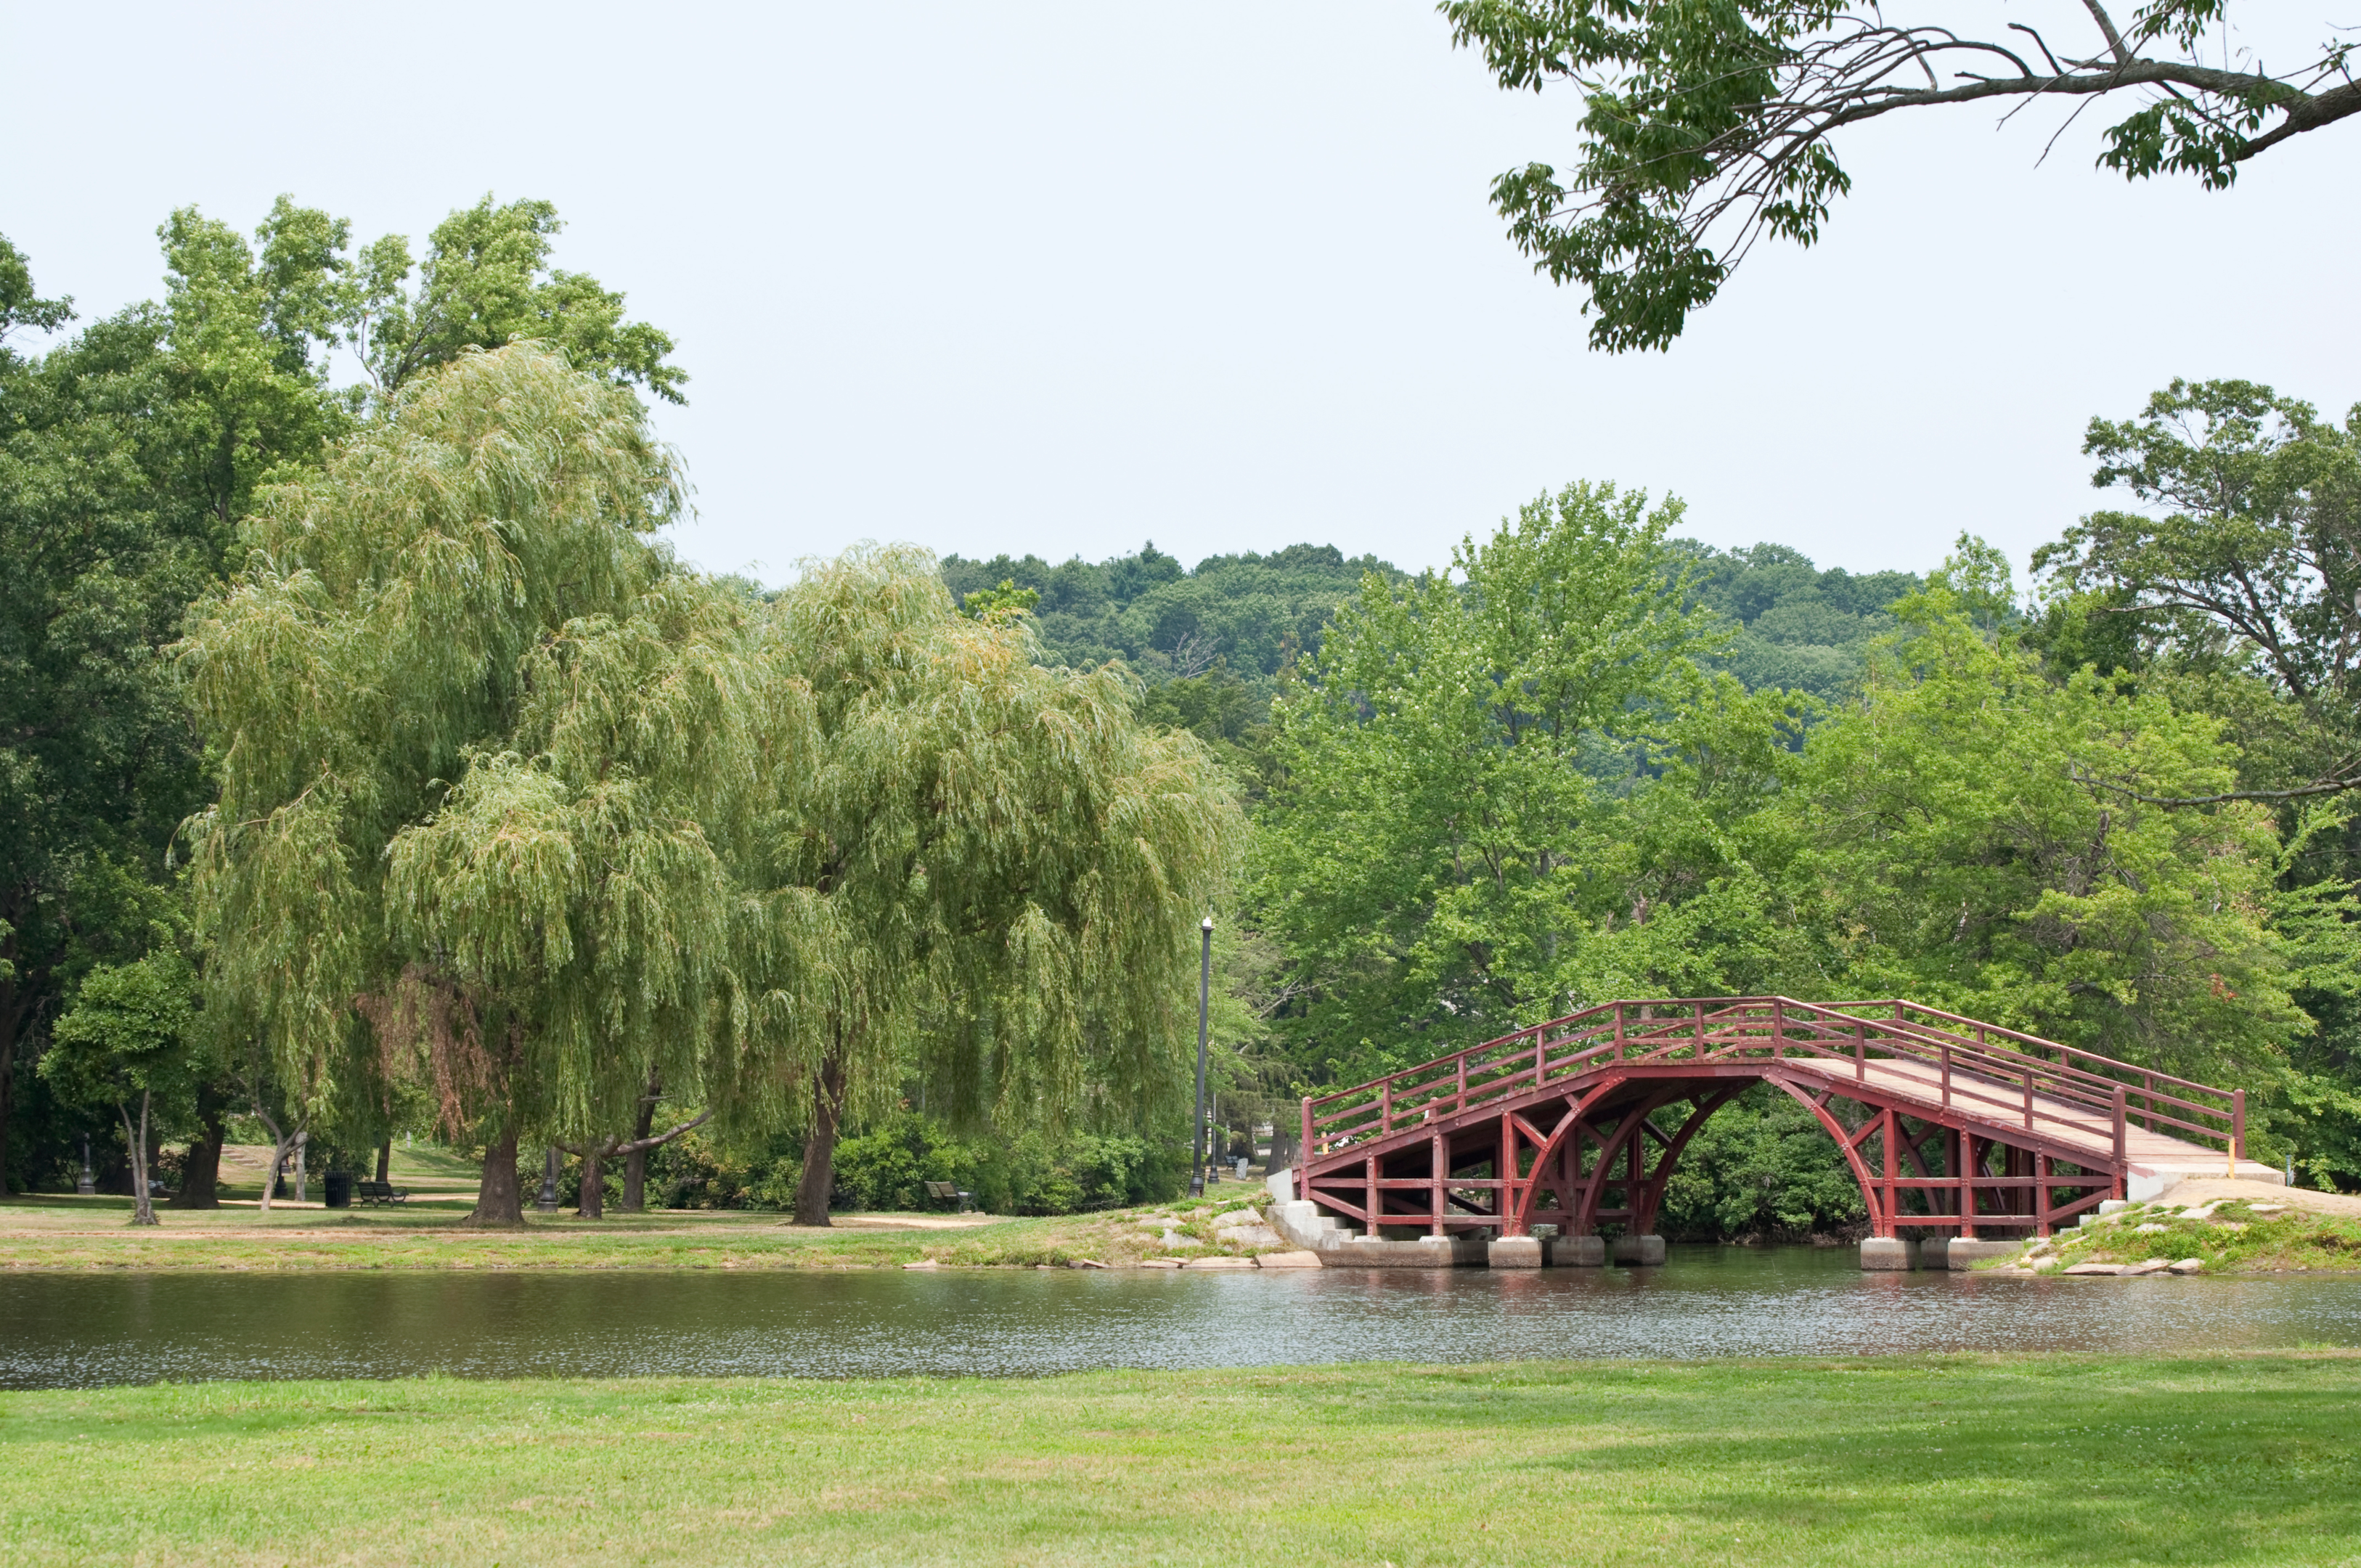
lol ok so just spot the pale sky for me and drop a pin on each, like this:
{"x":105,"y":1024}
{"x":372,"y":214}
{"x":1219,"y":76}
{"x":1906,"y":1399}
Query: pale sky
{"x":1061,"y":278}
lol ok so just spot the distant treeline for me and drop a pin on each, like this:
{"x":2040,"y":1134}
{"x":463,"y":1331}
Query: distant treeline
{"x":1227,"y":627}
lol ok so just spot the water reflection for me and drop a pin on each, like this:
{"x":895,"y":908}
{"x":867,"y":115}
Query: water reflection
{"x":80,"y":1330}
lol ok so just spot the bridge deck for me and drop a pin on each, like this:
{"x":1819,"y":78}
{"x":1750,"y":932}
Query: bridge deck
{"x":2001,"y":1109}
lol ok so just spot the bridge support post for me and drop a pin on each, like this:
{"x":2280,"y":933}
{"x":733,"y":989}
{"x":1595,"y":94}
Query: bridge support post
{"x":1640,"y":1252}
{"x":1888,"y":1254}
{"x":1513,"y":1252}
{"x":1971,"y":1159}
{"x":1577,"y":1252}
{"x":1439,"y":1149}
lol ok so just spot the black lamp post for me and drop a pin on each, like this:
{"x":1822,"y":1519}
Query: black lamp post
{"x":1205,"y":996}
{"x":88,"y":1184}
{"x":548,"y":1198}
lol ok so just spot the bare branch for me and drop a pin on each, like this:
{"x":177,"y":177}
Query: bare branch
{"x":636,"y":1145}
{"x":2335,"y":784}
{"x":2040,"y":43}
{"x":2115,"y":39}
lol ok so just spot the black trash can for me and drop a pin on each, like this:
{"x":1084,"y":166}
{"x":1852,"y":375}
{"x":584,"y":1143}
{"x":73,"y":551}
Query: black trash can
{"x":339,"y":1184}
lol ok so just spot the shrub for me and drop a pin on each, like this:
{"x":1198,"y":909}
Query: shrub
{"x":887,"y":1165}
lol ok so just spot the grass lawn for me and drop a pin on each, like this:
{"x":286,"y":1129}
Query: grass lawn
{"x":2064,"y":1459}
{"x":52,"y":1231}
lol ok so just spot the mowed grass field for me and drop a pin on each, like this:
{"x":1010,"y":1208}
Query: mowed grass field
{"x":2056,"y":1459}
{"x":94,"y":1234}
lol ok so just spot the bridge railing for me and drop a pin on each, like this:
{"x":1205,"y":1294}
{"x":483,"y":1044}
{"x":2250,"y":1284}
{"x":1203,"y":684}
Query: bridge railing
{"x":2157,"y":1101}
{"x":1994,"y":1073}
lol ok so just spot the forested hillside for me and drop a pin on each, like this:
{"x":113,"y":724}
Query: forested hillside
{"x":1793,"y":624}
{"x":1209,"y":642}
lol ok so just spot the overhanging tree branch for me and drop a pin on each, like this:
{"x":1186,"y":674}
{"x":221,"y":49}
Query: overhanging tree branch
{"x":2343,"y":779}
{"x":1708,"y":126}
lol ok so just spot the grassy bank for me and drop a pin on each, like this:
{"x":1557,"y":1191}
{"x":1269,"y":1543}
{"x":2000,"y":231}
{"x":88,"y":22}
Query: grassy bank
{"x":94,"y":1233}
{"x":2063,"y":1459}
{"x":2223,"y":1236}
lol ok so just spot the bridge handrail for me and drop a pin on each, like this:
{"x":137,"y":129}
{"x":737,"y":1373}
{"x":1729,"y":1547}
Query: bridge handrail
{"x":1798,"y":1025}
{"x":2035,"y":1041}
{"x":1497,"y":1069}
{"x":2006,"y":1063}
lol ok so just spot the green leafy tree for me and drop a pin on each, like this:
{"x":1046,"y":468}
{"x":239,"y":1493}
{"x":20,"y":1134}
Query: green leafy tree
{"x":103,"y":541}
{"x":2235,"y":589}
{"x":473,"y":728}
{"x":131,"y":1040}
{"x":2246,"y":564}
{"x":1763,"y":1167}
{"x":1252,"y":614}
{"x":20,"y":306}
{"x":1708,"y":127}
{"x":1790,"y":624}
{"x":1978,"y":840}
{"x":243,"y":336}
{"x":486,"y":280}
{"x":978,"y":873}
{"x":1512,"y":793}
{"x":130,"y":456}
{"x":1004,"y":600}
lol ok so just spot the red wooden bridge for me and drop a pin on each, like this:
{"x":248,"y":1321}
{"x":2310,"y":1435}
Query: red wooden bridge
{"x":1948,"y":1125}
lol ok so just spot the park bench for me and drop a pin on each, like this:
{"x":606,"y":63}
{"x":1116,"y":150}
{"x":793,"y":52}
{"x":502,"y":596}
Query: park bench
{"x":379,"y":1192}
{"x":948,"y":1192}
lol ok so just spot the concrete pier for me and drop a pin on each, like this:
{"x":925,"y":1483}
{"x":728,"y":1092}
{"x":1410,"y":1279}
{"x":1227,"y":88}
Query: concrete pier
{"x":1514,"y":1251}
{"x":1962,"y":1254}
{"x":1639,"y":1252}
{"x":1888,"y":1255}
{"x":1577,"y":1252}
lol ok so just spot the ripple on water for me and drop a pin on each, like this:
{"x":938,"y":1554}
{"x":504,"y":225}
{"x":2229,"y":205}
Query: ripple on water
{"x":86,"y":1329}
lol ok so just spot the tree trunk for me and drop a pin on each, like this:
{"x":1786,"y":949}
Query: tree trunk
{"x":201,"y":1176}
{"x":499,"y":1201}
{"x":594,"y":1183}
{"x":142,"y":1211}
{"x":8,"y":1083}
{"x":385,"y":1160}
{"x":820,"y":1147}
{"x":13,"y":1008}
{"x":635,"y":1162}
{"x":281,"y":1141}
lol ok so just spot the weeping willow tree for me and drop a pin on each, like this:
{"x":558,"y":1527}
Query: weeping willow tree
{"x":976,"y":873}
{"x":487,"y":753}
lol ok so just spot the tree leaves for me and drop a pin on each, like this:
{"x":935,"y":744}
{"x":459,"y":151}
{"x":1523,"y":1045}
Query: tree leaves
{"x":439,"y":685}
{"x":1967,"y":850}
{"x":1456,"y":847}
{"x":485,"y":281}
{"x":1708,"y":126}
{"x":994,"y":870}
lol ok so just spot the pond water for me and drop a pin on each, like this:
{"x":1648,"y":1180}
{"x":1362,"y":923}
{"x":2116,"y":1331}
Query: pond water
{"x":60,"y":1330}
